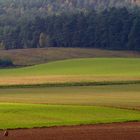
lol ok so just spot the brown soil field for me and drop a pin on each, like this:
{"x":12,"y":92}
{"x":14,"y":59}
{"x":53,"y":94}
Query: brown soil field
{"x":43,"y":55}
{"x":115,"y":131}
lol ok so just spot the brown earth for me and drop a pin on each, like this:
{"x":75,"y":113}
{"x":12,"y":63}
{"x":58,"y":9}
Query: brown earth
{"x":116,"y":131}
{"x":42,"y":55}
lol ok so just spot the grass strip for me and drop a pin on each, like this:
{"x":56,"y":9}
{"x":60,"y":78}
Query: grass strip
{"x":14,"y":116}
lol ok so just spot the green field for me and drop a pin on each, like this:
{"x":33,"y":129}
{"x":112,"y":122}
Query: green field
{"x":91,"y":66}
{"x":28,"y":116}
{"x":124,"y":96}
{"x":57,"y":106}
{"x":39,"y":104}
{"x":76,"y":70}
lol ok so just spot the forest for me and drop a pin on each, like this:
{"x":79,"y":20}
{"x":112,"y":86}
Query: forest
{"x":27,"y":25}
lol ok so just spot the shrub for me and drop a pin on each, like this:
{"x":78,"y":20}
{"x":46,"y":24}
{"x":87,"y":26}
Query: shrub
{"x":6,"y":63}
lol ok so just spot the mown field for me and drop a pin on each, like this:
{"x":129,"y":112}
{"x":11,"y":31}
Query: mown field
{"x":124,"y":96}
{"x":109,"y":91}
{"x":29,"y":115}
{"x":75,"y":70}
{"x":91,"y":66}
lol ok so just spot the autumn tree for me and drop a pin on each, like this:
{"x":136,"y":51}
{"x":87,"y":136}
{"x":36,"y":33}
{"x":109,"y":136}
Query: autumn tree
{"x":2,"y":46}
{"x":43,"y":40}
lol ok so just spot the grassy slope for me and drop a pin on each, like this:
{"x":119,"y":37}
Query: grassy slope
{"x":43,"y":55}
{"x":13,"y":115}
{"x":124,"y":96}
{"x":91,"y":66}
{"x":75,"y":70}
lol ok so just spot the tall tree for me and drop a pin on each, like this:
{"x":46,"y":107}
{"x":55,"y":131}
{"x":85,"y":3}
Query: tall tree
{"x":43,"y":40}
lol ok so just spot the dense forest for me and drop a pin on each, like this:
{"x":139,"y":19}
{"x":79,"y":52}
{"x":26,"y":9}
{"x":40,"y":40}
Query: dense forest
{"x":69,"y":23}
{"x":23,"y":7}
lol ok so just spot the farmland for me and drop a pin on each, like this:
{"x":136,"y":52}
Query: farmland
{"x":91,"y":66}
{"x":29,"y":116}
{"x":75,"y":70}
{"x":70,"y":92}
{"x":124,"y":96}
{"x":69,"y":70}
{"x":36,"y":56}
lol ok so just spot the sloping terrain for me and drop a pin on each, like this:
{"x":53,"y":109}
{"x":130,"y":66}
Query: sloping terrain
{"x":87,"y":66}
{"x":102,"y":70}
{"x":43,"y":55}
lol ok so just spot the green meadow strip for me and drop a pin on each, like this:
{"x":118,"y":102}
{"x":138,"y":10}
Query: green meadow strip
{"x":13,"y":116}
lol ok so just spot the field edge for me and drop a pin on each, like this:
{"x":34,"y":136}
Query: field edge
{"x":72,"y":84}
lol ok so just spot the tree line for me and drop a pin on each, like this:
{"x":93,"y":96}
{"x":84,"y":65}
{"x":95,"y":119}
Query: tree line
{"x":114,"y":28}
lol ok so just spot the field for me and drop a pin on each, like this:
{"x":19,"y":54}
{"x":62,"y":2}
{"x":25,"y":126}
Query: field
{"x":120,"y":131}
{"x":91,"y":66}
{"x":26,"y":57}
{"x":75,"y":70}
{"x":29,"y":116}
{"x":70,"y":92}
{"x":124,"y":96}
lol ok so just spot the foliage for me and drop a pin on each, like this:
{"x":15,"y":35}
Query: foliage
{"x":6,"y":63}
{"x":81,"y":26}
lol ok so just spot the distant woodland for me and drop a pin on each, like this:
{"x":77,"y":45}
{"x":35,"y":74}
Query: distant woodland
{"x":69,"y":23}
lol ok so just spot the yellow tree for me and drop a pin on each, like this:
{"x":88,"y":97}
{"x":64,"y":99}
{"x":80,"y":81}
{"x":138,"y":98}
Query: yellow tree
{"x":43,"y":39}
{"x":2,"y":46}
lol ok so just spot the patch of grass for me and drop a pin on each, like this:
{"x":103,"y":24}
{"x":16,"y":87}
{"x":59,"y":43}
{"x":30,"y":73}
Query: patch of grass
{"x":124,"y":96}
{"x":28,"y":116}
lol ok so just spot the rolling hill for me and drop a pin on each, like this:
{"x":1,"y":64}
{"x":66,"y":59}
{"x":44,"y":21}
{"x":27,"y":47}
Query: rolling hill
{"x":32,"y":56}
{"x":95,"y":67}
{"x":75,"y":70}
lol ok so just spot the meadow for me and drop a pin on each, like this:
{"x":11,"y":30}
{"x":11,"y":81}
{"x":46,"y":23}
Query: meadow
{"x":70,"y":92}
{"x":29,"y":115}
{"x":124,"y":96}
{"x":74,"y":70}
{"x":89,"y":66}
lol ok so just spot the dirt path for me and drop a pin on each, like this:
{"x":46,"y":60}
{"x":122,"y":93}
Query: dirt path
{"x":116,"y":131}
